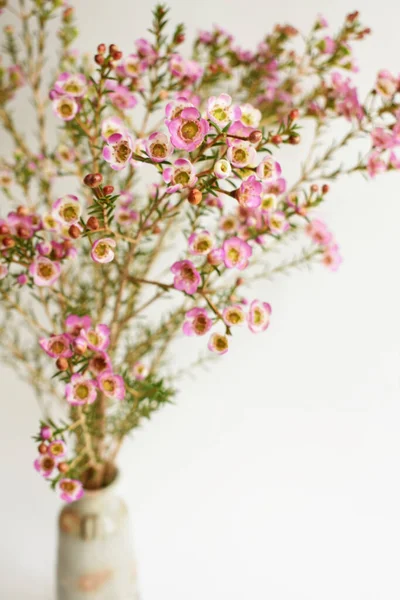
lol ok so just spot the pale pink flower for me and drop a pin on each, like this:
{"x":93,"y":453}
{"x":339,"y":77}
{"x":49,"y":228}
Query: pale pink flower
{"x":71,"y":84}
{"x":74,"y":324}
{"x":197,"y":322}
{"x":70,"y":490}
{"x":258,"y":317}
{"x":174,"y":108}
{"x":146,"y":51}
{"x":140,"y":371}
{"x":80,"y":391}
{"x":268,"y":202}
{"x":236,"y":253}
{"x":331,"y":258}
{"x":3,"y":271}
{"x":98,"y":339}
{"x":241,"y":153}
{"x":112,"y":386}
{"x":57,"y":346}
{"x":386,"y":84}
{"x":201,"y":243}
{"x":375,"y":164}
{"x":99,"y":363}
{"x":118,"y":150}
{"x":249,"y":193}
{"x":6,"y":178}
{"x":250,"y":116}
{"x":228,"y":223}
{"x":269,"y":168}
{"x":79,"y":345}
{"x":222,"y":169}
{"x":187,"y":278}
{"x":57,"y":449}
{"x":22,"y":279}
{"x":188,"y":130}
{"x":65,"y":107}
{"x":318,"y":232}
{"x":121,"y":97}
{"x":112,"y":125}
{"x":216,"y":256}
{"x":218,"y":343}
{"x":44,"y":271}
{"x":45,"y":465}
{"x":180,"y":175}
{"x":45,"y":432}
{"x":221,"y":111}
{"x":185,"y":69}
{"x":277,"y":222}
{"x":131,"y":66}
{"x":158,"y":147}
{"x":382,"y":139}
{"x":275,"y":186}
{"x":233,"y":315}
{"x":67,"y":209}
{"x":103,"y":250}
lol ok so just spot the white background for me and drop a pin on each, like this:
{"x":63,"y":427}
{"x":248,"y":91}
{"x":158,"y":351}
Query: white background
{"x":276,"y":475}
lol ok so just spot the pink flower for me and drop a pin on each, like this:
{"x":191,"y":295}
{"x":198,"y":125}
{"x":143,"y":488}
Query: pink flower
{"x":67,"y":209}
{"x":318,"y":232}
{"x":73,"y":85}
{"x":236,"y":253}
{"x":197,"y":322}
{"x":65,"y":107}
{"x":187,"y":278}
{"x":118,"y":150}
{"x":99,"y":363}
{"x":328,"y":45}
{"x":375,"y":164}
{"x":268,"y":202}
{"x":74,"y":324}
{"x":103,"y":250}
{"x":112,"y":386}
{"x":249,"y":193}
{"x":44,"y":271}
{"x":70,"y":490}
{"x":331,"y":257}
{"x":250,"y":116}
{"x":258,"y":317}
{"x":276,"y":186}
{"x":121,"y":97}
{"x":386,"y":84}
{"x":218,"y":343}
{"x":216,"y":256}
{"x":188,"y":130}
{"x":22,"y":279}
{"x":79,"y":345}
{"x":201,"y":243}
{"x":57,"y":346}
{"x":57,"y":449}
{"x":140,"y":371}
{"x":269,"y":168}
{"x":158,"y":147}
{"x":185,"y":69}
{"x":382,"y":139}
{"x":221,"y":112}
{"x":98,"y":339}
{"x":241,"y":153}
{"x":110,"y":126}
{"x":146,"y":51}
{"x":174,"y":109}
{"x":277,"y":223}
{"x":80,"y":391}
{"x":234,"y":315}
{"x":131,"y":66}
{"x":45,"y":465}
{"x":180,"y":175}
{"x":45,"y":432}
{"x":222,"y":169}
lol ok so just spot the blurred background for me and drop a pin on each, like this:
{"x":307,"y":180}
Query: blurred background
{"x":276,"y":474}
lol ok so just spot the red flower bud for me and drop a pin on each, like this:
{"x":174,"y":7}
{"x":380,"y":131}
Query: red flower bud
{"x":4,"y":229}
{"x":195,"y":196}
{"x":255,"y":137}
{"x":8,"y":242}
{"x":93,"y":223}
{"x":101,"y":48}
{"x":63,"y":467}
{"x":93,"y":180}
{"x":108,"y":190}
{"x":325,"y":188}
{"x":42,"y":448}
{"x":294,"y":139}
{"x":314,"y":188}
{"x":99,"y":59}
{"x":74,"y":231}
{"x":294,"y":114}
{"x":62,"y":363}
{"x":276,"y":139}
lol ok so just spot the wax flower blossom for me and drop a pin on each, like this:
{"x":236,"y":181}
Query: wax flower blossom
{"x":268,"y":169}
{"x":111,"y":385}
{"x":57,"y":449}
{"x":331,"y":257}
{"x":103,"y":250}
{"x":158,"y":147}
{"x":44,"y":271}
{"x":187,"y":278}
{"x":197,"y":322}
{"x":71,"y":84}
{"x":221,"y":111}
{"x":318,"y":232}
{"x":80,"y":391}
{"x":112,"y":125}
{"x":74,"y":324}
{"x":188,"y":130}
{"x":140,"y":371}
{"x":67,"y":209}
{"x":218,"y":343}
{"x":98,"y":339}
{"x":201,"y":243}
{"x":99,"y":363}
{"x":249,"y":193}
{"x":258,"y":317}
{"x":118,"y":150}
{"x":65,"y":107}
{"x":234,"y":315}
{"x":57,"y":346}
{"x":278,"y":223}
{"x":241,"y":153}
{"x":222,"y":169}
{"x":180,"y":175}
{"x":70,"y":490}
{"x":236,"y":253}
{"x":45,"y":465}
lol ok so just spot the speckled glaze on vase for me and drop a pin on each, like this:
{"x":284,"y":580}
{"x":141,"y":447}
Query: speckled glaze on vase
{"x":95,"y":555}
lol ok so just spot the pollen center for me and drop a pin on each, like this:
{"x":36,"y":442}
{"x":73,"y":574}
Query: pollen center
{"x":189,"y":130}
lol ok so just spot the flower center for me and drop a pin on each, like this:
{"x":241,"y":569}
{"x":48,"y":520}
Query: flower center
{"x":200,"y":324}
{"x":48,"y":463}
{"x":258,"y":317}
{"x":234,"y":255}
{"x":45,"y":270}
{"x":158,"y":150}
{"x":234,"y":317}
{"x":93,"y":338}
{"x":221,"y":343}
{"x":189,"y":130}
{"x":69,"y":213}
{"x":57,"y":449}
{"x":182,"y":177}
{"x":122,"y":151}
{"x":82,"y":391}
{"x":240,"y":155}
{"x":101,"y":250}
{"x":57,"y":347}
{"x":72,"y":87}
{"x":220,"y":114}
{"x":109,"y":385}
{"x":66,"y":109}
{"x":67,"y":486}
{"x":188,"y":273}
{"x":203,"y":245}
{"x":99,"y":363}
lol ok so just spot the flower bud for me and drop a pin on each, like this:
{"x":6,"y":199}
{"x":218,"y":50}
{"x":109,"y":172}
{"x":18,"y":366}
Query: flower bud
{"x":80,"y":345}
{"x":62,"y":363}
{"x":63,"y":467}
{"x":93,"y":223}
{"x":156,"y":229}
{"x":276,"y":139}
{"x":108,"y":190}
{"x":42,"y":448}
{"x":294,"y":114}
{"x":4,"y":229}
{"x":255,"y":137}
{"x":8,"y":242}
{"x":180,"y":38}
{"x":74,"y":231}
{"x":22,"y":211}
{"x":23,"y":232}
{"x":239,"y":281}
{"x":117,"y":55}
{"x":195,"y":196}
{"x":314,"y":188}
{"x":325,"y":188}
{"x":45,"y":432}
{"x":93,"y":180}
{"x":294,"y":139}
{"x":112,"y":48}
{"x":101,"y":48}
{"x":99,"y":59}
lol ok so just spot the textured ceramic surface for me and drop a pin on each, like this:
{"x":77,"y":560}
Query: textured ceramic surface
{"x":95,"y":556}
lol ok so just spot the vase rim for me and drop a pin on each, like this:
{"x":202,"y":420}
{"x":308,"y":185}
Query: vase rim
{"x":97,"y":492}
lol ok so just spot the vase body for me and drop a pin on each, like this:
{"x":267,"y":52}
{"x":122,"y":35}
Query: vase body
{"x":95,"y":555}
